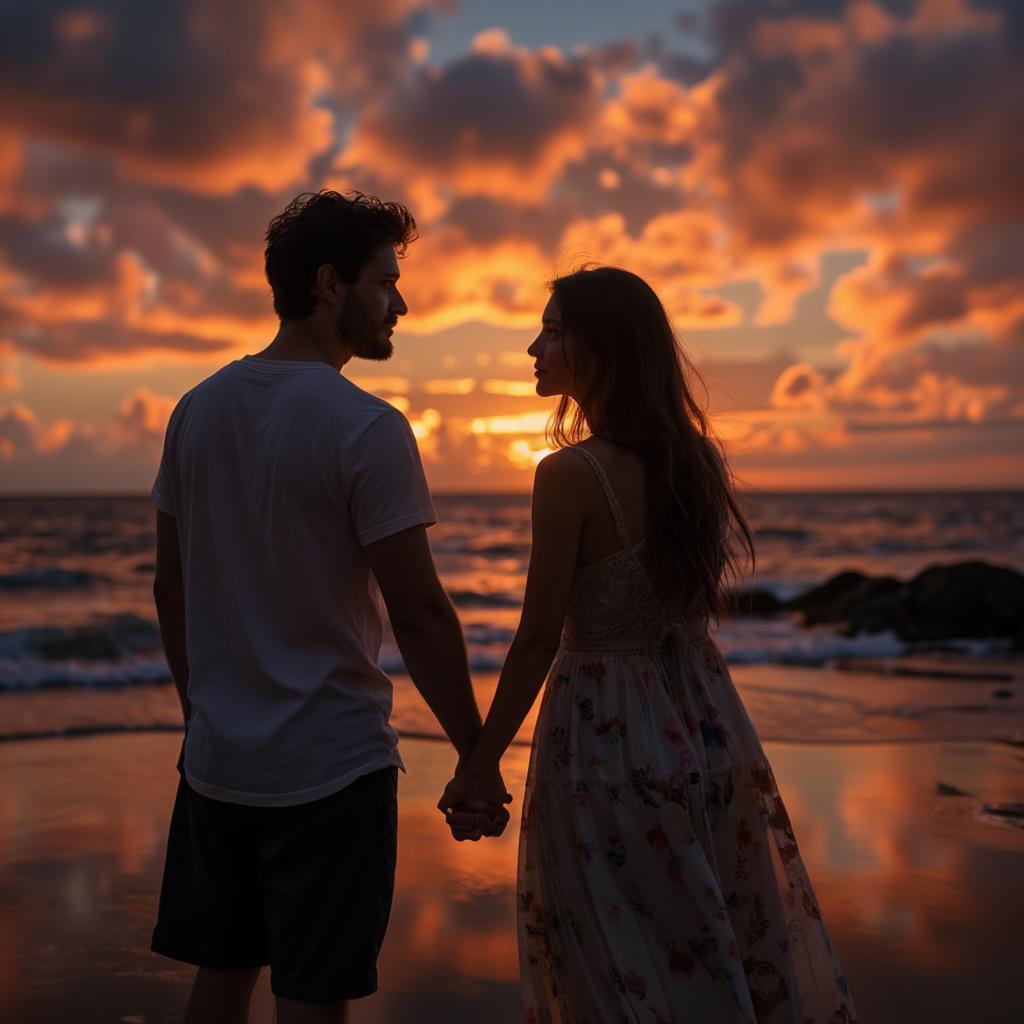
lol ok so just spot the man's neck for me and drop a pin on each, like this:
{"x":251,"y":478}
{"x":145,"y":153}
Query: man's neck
{"x":304,"y":341}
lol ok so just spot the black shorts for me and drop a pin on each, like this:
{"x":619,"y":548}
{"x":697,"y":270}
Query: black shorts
{"x":306,"y":889}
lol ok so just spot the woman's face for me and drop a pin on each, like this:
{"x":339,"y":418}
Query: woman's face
{"x":551,"y":366}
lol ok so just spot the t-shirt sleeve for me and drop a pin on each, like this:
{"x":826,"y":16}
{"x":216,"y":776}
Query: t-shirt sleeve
{"x":162,"y":492}
{"x":384,"y":480}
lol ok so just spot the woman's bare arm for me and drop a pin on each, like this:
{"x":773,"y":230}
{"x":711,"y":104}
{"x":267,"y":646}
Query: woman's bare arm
{"x":557,"y":517}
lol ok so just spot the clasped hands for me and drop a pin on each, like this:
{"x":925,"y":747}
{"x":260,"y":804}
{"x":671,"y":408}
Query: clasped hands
{"x":473,"y":804}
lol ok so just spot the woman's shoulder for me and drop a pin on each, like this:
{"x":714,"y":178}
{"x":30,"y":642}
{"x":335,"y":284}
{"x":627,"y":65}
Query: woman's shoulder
{"x":563,"y":464}
{"x":569,"y":478}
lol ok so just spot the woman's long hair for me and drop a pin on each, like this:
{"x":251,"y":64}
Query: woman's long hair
{"x":619,"y":341}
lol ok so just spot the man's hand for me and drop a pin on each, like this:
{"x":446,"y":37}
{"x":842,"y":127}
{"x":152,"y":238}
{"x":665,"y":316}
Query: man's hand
{"x":474,"y":820}
{"x":474,"y":805}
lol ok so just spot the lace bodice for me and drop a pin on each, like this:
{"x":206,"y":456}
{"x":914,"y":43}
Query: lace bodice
{"x":612,"y":604}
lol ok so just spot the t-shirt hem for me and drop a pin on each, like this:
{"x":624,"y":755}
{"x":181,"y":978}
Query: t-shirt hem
{"x":381,"y":530}
{"x":296,"y":796}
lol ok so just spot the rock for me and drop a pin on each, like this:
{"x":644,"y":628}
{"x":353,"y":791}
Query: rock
{"x":945,"y":789}
{"x":1004,"y":810}
{"x":753,"y":601}
{"x":967,"y":600}
{"x":841,"y":597}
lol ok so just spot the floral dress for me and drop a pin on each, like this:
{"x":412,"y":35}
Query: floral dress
{"x":659,"y":877}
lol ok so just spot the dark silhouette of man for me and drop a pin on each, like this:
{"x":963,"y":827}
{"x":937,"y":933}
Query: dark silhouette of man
{"x":288,"y":501}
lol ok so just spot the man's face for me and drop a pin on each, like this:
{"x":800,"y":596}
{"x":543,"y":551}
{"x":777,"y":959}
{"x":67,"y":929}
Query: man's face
{"x":372,"y":307}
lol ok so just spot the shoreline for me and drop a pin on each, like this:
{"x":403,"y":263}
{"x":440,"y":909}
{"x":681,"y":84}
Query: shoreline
{"x":88,"y":732}
{"x":896,"y":868}
{"x":914,"y":701}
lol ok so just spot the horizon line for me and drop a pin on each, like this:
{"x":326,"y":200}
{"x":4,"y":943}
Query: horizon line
{"x":746,"y":491}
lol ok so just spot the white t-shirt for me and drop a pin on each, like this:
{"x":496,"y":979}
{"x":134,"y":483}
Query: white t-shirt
{"x":279,"y":474}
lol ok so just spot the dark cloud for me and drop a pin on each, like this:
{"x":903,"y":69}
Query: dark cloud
{"x":934,"y":300}
{"x":203,"y":96}
{"x":976,"y":364}
{"x":533,"y":97}
{"x":83,"y":341}
{"x":628,"y":191}
{"x":494,"y":108}
{"x":485,"y":221}
{"x":816,"y":119}
{"x":41,"y":251}
{"x":157,"y":141}
{"x":733,"y":24}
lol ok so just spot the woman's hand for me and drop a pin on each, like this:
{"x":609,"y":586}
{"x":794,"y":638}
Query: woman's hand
{"x":473,"y":804}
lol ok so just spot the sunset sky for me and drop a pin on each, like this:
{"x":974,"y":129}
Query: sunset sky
{"x":827,"y":196}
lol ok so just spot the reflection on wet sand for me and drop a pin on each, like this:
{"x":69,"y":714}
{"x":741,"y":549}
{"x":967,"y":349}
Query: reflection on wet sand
{"x":922,"y":899}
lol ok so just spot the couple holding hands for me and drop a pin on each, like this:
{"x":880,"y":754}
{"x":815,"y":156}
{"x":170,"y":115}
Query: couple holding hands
{"x":659,"y":879}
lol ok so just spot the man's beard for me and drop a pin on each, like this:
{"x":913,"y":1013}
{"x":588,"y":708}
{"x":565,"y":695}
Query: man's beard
{"x":361,"y":333}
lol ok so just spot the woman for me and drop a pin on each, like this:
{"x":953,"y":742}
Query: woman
{"x":659,"y":878}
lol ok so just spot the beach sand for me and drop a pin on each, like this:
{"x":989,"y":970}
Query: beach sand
{"x":922,"y":895}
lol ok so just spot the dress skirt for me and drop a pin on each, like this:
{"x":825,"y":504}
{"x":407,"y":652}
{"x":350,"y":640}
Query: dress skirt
{"x":659,"y":877}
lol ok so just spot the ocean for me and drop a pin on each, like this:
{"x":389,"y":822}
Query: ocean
{"x":78,"y":629}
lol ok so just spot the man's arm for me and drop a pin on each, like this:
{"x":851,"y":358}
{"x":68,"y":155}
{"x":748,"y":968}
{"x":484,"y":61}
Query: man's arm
{"x":428,"y":632}
{"x":169,"y":594}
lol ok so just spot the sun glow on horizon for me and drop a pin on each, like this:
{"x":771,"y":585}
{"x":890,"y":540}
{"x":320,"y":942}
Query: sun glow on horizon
{"x":522,"y":423}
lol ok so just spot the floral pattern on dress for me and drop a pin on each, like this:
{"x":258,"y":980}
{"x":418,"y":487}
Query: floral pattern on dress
{"x":660,"y":880}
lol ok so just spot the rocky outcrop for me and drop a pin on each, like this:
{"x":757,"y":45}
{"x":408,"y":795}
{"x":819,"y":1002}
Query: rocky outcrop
{"x":842,"y":598}
{"x":967,"y":600}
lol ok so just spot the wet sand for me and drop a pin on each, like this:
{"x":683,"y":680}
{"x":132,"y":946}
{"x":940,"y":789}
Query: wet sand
{"x":923,"y":897}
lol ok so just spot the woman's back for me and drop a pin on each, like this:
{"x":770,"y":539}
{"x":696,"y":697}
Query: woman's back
{"x":628,"y":479}
{"x":614,"y":602}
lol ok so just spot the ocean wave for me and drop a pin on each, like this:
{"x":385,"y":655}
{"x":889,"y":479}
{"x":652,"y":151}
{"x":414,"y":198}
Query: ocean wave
{"x":35,"y":674}
{"x":126,"y":651}
{"x":781,"y":641}
{"x":479,"y":661}
{"x":812,"y":651}
{"x":484,"y":634}
{"x":790,"y":535}
{"x":111,"y":640}
{"x":53,"y":578}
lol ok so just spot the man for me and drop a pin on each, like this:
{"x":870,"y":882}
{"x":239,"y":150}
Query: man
{"x":286,"y":496}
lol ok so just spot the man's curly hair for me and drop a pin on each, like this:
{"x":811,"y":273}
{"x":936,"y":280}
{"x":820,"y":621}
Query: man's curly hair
{"x":326,"y":227}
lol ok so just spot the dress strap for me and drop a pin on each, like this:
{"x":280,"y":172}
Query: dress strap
{"x":613,"y":502}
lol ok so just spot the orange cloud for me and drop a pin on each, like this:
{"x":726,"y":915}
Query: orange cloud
{"x":448,"y":282}
{"x":136,"y":428}
{"x":9,"y":379}
{"x":18,"y":431}
{"x":142,"y":417}
{"x":131,"y":217}
{"x":799,"y":386}
{"x":648,"y":109}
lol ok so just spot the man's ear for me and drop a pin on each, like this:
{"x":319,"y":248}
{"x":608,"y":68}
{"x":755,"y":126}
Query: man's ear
{"x":328,"y":285}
